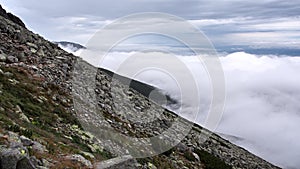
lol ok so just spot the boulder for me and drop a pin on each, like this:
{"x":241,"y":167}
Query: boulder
{"x":8,"y":74}
{"x":80,"y":159}
{"x":196,"y":156}
{"x":12,"y":59}
{"x":11,"y":158}
{"x":14,"y":140}
{"x":32,"y":45}
{"x":22,"y":116}
{"x":39,"y":148}
{"x":25,"y":163}
{"x":26,"y":141}
{"x":21,"y":56}
{"x":35,"y":161}
{"x":41,"y":53}
{"x":2,"y":57}
{"x":151,"y":166}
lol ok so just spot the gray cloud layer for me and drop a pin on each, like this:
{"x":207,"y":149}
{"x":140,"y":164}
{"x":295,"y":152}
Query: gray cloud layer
{"x":78,"y":20}
{"x":190,"y":9}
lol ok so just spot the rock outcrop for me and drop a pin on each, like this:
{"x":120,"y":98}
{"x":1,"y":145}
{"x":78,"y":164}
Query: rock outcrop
{"x":16,"y":155}
{"x":41,"y":127}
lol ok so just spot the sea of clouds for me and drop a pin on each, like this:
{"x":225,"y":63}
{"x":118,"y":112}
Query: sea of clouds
{"x":262,"y":110}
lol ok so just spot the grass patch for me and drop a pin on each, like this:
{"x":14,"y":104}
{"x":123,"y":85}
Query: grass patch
{"x":35,"y":100}
{"x":22,"y":131}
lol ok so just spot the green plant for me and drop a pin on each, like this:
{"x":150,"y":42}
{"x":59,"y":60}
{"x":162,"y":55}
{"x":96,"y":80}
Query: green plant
{"x":14,"y":128}
{"x":104,"y":154}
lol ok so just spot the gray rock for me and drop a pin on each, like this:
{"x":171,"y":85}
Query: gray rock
{"x":12,"y":59}
{"x":21,"y":37}
{"x":8,"y":74}
{"x":65,"y":66}
{"x":87,"y":154}
{"x":118,"y":163}
{"x":35,"y":161}
{"x":2,"y":57}
{"x":14,"y":140}
{"x":21,"y":57}
{"x":26,"y":141}
{"x":32,"y":45}
{"x":25,"y":163}
{"x":41,"y":53}
{"x":46,"y":163}
{"x":182,"y":147}
{"x":42,"y":167}
{"x":38,"y":147}
{"x":81,"y":159}
{"x":10,"y":158}
{"x":18,"y":109}
{"x":19,"y":145}
{"x":22,"y":116}
{"x":196,"y":156}
{"x":151,"y":166}
{"x":33,"y":50}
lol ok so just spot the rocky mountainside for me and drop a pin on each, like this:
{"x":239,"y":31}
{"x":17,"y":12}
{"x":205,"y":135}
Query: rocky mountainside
{"x":43,"y":126}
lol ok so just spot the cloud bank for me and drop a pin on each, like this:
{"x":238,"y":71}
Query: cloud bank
{"x":262,"y":105}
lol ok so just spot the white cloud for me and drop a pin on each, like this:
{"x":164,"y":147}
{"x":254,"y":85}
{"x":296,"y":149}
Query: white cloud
{"x":262,"y":96}
{"x":210,"y":22}
{"x":283,"y":39}
{"x":279,"y":24}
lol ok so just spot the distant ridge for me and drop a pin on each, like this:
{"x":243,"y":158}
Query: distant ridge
{"x":70,"y":45}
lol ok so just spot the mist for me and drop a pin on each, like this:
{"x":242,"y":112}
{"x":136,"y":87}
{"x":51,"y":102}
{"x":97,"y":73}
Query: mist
{"x":262,"y":105}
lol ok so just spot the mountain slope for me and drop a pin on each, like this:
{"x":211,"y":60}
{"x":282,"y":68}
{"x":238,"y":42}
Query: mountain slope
{"x":41,"y":124}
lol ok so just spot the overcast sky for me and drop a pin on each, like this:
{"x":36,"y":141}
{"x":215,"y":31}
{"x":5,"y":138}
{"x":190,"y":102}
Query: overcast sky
{"x":229,"y":22}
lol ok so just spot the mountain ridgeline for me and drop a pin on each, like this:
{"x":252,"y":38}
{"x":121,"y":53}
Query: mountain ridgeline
{"x":11,"y":17}
{"x":41,"y":126}
{"x":70,"y":45}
